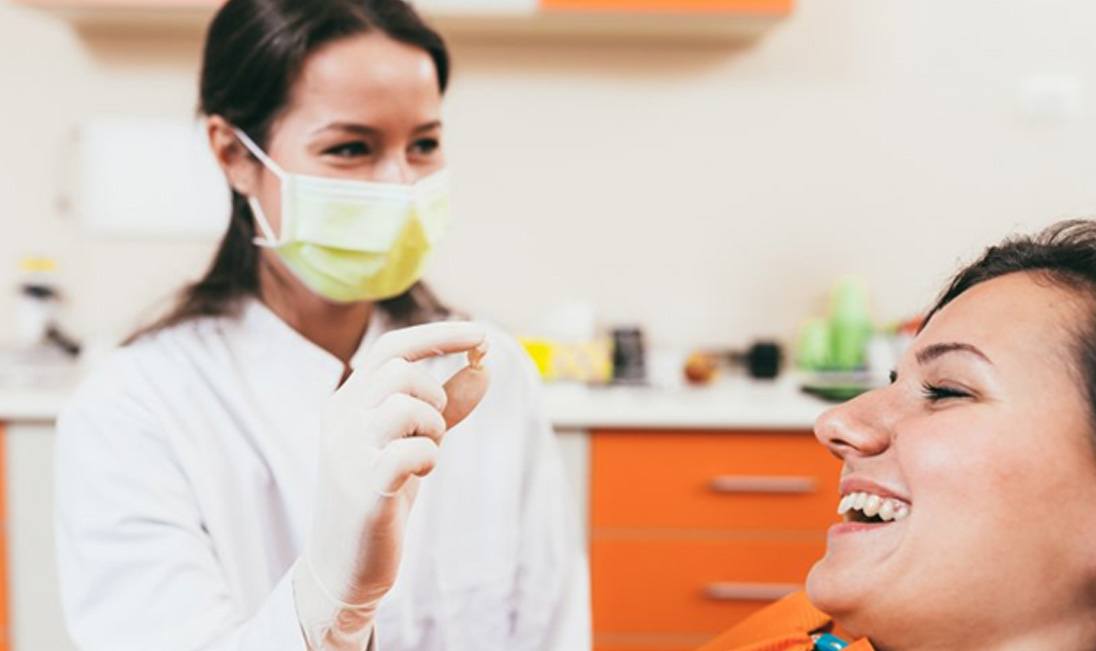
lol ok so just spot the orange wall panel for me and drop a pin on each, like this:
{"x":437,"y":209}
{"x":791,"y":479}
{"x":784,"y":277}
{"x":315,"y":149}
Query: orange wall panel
{"x":761,"y":7}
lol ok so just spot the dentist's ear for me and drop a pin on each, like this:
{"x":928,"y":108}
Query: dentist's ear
{"x":240,"y":168}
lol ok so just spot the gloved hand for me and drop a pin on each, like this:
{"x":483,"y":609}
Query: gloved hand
{"x":380,"y":433}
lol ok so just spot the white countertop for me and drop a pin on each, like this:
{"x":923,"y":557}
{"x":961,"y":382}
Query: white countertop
{"x":735,"y":403}
{"x":32,"y":404}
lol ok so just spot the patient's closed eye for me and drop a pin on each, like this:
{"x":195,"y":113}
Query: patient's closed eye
{"x":936,"y":393}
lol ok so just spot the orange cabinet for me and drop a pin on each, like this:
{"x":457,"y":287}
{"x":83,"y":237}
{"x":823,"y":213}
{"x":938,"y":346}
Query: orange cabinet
{"x":734,"y":481}
{"x":692,"y":531}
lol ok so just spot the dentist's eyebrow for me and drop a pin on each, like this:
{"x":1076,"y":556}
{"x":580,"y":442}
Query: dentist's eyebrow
{"x":366,"y":130}
{"x":349,"y":127}
{"x":429,"y":126}
{"x":929,"y":353}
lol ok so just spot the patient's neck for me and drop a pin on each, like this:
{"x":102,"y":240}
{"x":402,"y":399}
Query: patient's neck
{"x":1067,"y":633}
{"x":1070,"y":630}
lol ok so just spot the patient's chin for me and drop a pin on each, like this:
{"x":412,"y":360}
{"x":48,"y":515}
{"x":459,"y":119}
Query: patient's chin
{"x":841,"y":595}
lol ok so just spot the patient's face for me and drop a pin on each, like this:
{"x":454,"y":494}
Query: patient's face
{"x":984,"y":443}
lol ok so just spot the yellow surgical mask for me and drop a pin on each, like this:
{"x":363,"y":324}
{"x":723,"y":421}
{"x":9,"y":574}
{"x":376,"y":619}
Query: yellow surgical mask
{"x":352,"y":241}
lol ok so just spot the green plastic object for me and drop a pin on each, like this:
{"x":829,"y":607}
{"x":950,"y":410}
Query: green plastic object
{"x":850,"y":323}
{"x":813,"y":350}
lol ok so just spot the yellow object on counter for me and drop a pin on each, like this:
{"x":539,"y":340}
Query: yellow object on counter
{"x":578,"y":362}
{"x":540,"y":351}
{"x":33,"y":264}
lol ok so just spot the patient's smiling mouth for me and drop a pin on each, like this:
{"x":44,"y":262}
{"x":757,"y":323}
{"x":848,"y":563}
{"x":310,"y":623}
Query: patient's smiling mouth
{"x":870,"y":508}
{"x":865,"y":502}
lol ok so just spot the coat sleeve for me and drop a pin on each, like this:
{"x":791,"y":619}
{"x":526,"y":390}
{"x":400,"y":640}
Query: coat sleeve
{"x":137,"y":568}
{"x":552,"y":597}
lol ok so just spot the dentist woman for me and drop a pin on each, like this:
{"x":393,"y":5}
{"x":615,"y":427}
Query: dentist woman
{"x":249,"y":472}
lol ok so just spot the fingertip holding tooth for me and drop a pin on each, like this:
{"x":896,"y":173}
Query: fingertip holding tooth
{"x":476,"y":355}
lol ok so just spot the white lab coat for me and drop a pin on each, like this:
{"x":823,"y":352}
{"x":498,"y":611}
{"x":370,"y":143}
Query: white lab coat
{"x":186,"y":468}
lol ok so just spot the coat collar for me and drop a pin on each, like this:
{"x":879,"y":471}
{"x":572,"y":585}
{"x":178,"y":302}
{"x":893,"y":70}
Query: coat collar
{"x":270,"y":340}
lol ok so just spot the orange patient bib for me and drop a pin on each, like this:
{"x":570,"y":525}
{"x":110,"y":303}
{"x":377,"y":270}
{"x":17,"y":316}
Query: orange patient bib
{"x":786,"y":625}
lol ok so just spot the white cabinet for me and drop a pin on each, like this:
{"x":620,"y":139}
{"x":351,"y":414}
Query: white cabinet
{"x":34,"y":599}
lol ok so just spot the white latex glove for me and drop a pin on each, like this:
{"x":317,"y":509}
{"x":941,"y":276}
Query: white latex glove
{"x":380,"y":433}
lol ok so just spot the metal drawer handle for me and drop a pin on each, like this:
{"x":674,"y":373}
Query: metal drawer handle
{"x":750,"y":591}
{"x":762,"y":484}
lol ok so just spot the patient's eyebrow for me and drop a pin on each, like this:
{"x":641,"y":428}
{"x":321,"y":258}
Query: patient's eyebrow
{"x":929,"y":353}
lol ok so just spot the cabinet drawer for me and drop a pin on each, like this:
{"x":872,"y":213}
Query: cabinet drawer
{"x":712,"y":480}
{"x":698,"y":587}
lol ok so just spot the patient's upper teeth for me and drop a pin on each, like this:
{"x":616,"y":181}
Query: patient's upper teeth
{"x":845,"y":505}
{"x":872,"y":504}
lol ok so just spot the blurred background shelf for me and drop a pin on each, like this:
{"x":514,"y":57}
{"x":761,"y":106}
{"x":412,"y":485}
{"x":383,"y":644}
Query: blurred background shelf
{"x":703,"y":19}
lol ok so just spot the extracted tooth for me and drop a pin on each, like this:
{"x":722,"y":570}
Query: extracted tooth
{"x":872,"y":504}
{"x":886,"y":512}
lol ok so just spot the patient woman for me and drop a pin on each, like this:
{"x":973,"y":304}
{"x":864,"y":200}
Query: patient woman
{"x":969,"y":484}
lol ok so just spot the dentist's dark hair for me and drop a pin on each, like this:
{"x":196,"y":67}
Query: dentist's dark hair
{"x":254,"y":53}
{"x":1063,"y":255}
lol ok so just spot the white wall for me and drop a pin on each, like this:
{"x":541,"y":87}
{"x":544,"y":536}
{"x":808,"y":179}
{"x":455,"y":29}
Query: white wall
{"x":710,"y":193}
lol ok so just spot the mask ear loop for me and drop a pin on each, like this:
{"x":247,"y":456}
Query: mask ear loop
{"x":269,"y":240}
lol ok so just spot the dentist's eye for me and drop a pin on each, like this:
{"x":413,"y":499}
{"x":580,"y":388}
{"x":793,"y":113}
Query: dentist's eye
{"x":935,"y":393}
{"x":426,"y":146}
{"x":349,"y":150}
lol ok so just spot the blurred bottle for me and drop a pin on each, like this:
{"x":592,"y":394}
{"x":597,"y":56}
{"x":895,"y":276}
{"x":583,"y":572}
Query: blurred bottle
{"x":36,"y":311}
{"x":36,"y":307}
{"x":850,"y":323}
{"x":629,"y":356}
{"x":813,"y":348}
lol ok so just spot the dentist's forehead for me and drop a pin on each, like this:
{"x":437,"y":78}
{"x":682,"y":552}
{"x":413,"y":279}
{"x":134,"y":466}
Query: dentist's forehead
{"x":348,"y":71}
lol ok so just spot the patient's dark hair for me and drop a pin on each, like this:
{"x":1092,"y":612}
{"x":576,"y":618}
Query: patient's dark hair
{"x":254,"y":52}
{"x":1064,"y":255}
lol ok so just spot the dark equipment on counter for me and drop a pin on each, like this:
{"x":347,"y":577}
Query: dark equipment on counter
{"x":629,"y":356}
{"x":762,"y":360}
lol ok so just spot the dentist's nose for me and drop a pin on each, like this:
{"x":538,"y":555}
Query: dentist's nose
{"x":394,"y":169}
